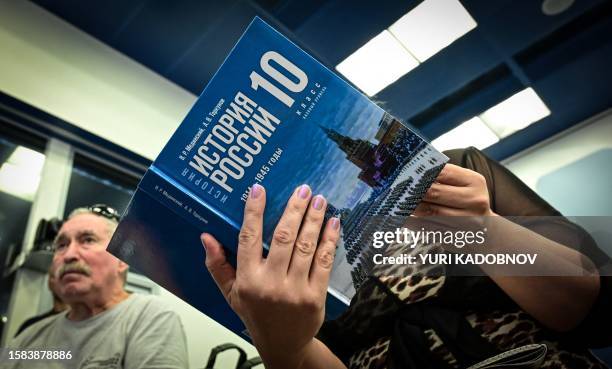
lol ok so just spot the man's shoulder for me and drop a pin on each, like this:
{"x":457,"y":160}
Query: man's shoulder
{"x":149,"y":315}
{"x":150,"y":304}
{"x":36,"y":331}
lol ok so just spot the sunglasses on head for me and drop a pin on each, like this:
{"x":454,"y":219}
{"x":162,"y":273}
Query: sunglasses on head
{"x":105,"y":211}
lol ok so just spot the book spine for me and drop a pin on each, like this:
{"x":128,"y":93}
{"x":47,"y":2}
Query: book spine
{"x":186,"y":205}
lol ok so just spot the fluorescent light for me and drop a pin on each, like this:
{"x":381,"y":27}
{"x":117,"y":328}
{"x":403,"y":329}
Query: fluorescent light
{"x":515,"y":113}
{"x":470,"y":133}
{"x":421,"y":33}
{"x":377,"y":64}
{"x":20,"y":174}
{"x":432,"y":26}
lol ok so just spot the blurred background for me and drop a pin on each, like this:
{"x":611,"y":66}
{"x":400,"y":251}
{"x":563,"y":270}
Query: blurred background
{"x":91,"y":90}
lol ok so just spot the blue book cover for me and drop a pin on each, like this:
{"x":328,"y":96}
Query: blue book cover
{"x":272,"y":115}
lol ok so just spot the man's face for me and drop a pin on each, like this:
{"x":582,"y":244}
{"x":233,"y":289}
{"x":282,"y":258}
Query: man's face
{"x":83,"y":268}
{"x":52,"y":281}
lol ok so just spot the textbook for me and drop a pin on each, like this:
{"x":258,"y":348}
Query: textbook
{"x":272,"y":115}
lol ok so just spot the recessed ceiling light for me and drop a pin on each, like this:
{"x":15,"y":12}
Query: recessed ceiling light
{"x":432,"y":26}
{"x":470,"y":133}
{"x":377,"y":64}
{"x":515,"y":113}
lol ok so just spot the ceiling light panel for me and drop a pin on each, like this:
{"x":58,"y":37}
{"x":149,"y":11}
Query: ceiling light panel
{"x":470,"y":133}
{"x":515,"y":113}
{"x":432,"y":26}
{"x":377,"y":64}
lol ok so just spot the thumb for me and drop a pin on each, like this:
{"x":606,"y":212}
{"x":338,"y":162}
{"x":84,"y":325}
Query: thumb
{"x":216,"y":263}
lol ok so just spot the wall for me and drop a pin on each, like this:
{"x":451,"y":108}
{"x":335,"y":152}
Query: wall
{"x":52,"y":65}
{"x":572,"y":170}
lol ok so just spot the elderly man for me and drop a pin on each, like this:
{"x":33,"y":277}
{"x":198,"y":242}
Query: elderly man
{"x":105,"y":326}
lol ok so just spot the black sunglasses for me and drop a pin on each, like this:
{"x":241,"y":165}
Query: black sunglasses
{"x":105,"y":211}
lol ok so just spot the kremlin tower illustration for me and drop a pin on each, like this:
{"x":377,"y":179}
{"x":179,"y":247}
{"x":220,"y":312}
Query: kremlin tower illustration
{"x":399,"y":169}
{"x":378,"y":162}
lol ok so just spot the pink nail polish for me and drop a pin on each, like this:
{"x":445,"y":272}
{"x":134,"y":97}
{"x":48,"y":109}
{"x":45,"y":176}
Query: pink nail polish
{"x":335,"y":223}
{"x":318,"y":202}
{"x":304,"y":191}
{"x":256,"y":190}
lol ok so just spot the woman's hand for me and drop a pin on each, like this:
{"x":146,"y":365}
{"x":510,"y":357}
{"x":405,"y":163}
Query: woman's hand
{"x":456,"y":192}
{"x":280,"y":299}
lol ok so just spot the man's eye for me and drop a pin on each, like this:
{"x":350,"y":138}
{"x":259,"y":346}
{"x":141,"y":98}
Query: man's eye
{"x":60,"y":246}
{"x":90,"y":240}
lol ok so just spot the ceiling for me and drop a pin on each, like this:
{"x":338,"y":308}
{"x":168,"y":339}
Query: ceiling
{"x":566,"y":58}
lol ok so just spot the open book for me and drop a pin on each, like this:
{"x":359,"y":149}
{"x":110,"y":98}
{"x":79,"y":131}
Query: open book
{"x":272,"y":115}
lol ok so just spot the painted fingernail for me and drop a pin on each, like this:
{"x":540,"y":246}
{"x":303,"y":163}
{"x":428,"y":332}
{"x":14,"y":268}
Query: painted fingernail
{"x":304,"y":191}
{"x":318,"y":202}
{"x":335,"y":223}
{"x":256,"y":190}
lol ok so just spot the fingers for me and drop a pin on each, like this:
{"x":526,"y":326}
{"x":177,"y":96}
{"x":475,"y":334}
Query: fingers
{"x":324,"y":256}
{"x":216,"y":263}
{"x":457,"y":191}
{"x":249,"y":240}
{"x":430,"y":209}
{"x":285,"y":234}
{"x":306,"y":243}
{"x":451,"y":196}
{"x":454,"y":175}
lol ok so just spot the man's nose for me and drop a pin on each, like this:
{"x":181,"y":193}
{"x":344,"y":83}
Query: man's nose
{"x":71,"y":253}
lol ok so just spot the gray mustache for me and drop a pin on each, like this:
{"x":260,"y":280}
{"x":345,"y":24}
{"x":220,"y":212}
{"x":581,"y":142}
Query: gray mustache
{"x":74,"y":267}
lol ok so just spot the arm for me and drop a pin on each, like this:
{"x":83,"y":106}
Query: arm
{"x":281,"y":299}
{"x":462,"y":192}
{"x":559,"y":297}
{"x":315,"y":355}
{"x":321,"y":357}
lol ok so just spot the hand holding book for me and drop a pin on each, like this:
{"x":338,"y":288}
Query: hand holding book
{"x":456,"y":192}
{"x":280,"y":298}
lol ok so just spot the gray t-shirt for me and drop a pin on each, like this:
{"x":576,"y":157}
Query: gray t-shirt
{"x":139,"y":332}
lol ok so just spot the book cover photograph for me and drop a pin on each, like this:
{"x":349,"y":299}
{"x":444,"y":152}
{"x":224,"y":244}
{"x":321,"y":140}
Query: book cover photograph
{"x":272,"y":115}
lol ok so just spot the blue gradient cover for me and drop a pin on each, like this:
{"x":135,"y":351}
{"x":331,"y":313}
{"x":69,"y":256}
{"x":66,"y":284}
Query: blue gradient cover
{"x":272,"y":115}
